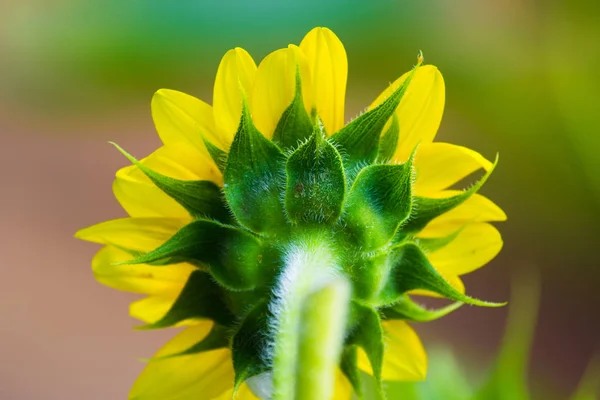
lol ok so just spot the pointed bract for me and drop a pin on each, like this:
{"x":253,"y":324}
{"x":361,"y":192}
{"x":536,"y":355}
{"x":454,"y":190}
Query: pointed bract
{"x":389,"y":141}
{"x":199,"y":299}
{"x":360,"y":138}
{"x":349,"y":366}
{"x":219,"y":156}
{"x":316,"y":183}
{"x":405,"y":308}
{"x":412,"y":270}
{"x":254,"y":177}
{"x":368,"y":334}
{"x":249,"y":343}
{"x":202,"y":199}
{"x":233,"y":257}
{"x":378,"y":202}
{"x":295,"y":124}
{"x":426,"y":209}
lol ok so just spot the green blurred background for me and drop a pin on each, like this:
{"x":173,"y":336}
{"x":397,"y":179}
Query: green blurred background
{"x":522,"y":79}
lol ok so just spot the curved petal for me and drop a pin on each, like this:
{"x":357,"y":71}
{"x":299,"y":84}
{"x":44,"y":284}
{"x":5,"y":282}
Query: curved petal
{"x":141,"y":198}
{"x":137,"y":234}
{"x":475,"y":246}
{"x":476,"y":208}
{"x":152,"y":308}
{"x":440,"y":165}
{"x":275,"y":87}
{"x":404,"y":358}
{"x":182,"y":161}
{"x":139,"y":278}
{"x":343,"y":389}
{"x":329,"y":71}
{"x":420,"y":110}
{"x":179,"y":117}
{"x":198,"y":376}
{"x":235,"y":74}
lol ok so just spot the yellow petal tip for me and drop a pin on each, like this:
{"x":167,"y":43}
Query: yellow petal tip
{"x":80,"y":234}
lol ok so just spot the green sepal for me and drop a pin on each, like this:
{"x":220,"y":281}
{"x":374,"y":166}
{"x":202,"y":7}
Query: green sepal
{"x":316,"y":182}
{"x":360,"y":138}
{"x":349,"y":367}
{"x":426,"y":209}
{"x":254,"y":178}
{"x":368,"y":271}
{"x":202,"y":199}
{"x":217,"y":338}
{"x":368,"y":334}
{"x":389,"y":141}
{"x":218,"y":156}
{"x":200,"y":298}
{"x":295,"y":125}
{"x":405,"y":308}
{"x":249,"y":344}
{"x":233,"y":257}
{"x":411,"y":270}
{"x":432,"y":244}
{"x":378,"y":202}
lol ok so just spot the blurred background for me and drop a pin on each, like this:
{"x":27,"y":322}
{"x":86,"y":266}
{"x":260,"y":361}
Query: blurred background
{"x":522,"y":79}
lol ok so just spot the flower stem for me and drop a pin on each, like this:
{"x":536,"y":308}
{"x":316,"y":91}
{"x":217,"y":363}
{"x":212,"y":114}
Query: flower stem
{"x":323,"y":323}
{"x":310,"y":315}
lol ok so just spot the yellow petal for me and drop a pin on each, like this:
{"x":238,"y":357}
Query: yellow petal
{"x":474,"y":247}
{"x":275,"y":87}
{"x":343,"y":389}
{"x":197,"y":376}
{"x":138,"y":234}
{"x":476,"y":208}
{"x":404,"y":357}
{"x":141,"y":198}
{"x":236,"y":73}
{"x":182,"y":161}
{"x":179,"y":117}
{"x":152,"y":308}
{"x":139,"y":278}
{"x":440,"y":165}
{"x":329,"y":70}
{"x":420,"y":110}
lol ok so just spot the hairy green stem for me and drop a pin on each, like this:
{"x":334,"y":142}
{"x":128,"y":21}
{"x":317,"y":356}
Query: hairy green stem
{"x":309,"y":318}
{"x":321,"y":336}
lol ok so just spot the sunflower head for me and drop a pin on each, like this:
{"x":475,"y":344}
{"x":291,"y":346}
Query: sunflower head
{"x":255,"y":205}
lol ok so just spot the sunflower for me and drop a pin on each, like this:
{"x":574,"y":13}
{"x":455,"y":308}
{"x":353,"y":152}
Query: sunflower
{"x":254,"y":204}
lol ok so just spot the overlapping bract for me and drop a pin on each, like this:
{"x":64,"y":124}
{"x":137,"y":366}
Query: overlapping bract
{"x":275,"y":140}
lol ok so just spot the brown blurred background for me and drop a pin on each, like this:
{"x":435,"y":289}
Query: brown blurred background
{"x":522,"y":79}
